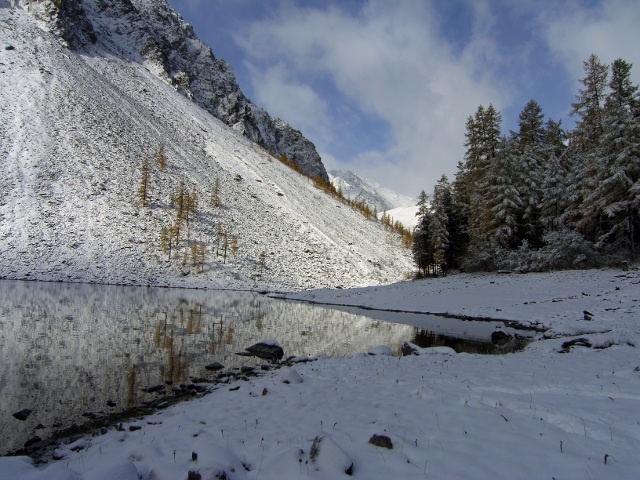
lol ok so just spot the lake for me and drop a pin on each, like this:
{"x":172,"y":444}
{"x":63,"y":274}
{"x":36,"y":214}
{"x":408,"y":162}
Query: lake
{"x":69,"y":352}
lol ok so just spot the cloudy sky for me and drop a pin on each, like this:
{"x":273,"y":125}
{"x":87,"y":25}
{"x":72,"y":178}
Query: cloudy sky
{"x":384,"y":87}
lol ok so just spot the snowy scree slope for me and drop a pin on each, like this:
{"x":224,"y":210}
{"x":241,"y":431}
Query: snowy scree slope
{"x":76,"y":128}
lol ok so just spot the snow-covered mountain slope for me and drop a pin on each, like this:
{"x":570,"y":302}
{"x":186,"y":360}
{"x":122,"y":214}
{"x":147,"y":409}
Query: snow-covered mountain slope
{"x":74,"y":133}
{"x":405,"y":215}
{"x":375,"y":195}
{"x":153,"y":33}
{"x":398,"y":206}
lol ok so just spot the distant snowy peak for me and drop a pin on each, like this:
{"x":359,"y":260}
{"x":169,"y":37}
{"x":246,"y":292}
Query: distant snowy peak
{"x":152,"y":33}
{"x":357,"y":188}
{"x":407,"y":216}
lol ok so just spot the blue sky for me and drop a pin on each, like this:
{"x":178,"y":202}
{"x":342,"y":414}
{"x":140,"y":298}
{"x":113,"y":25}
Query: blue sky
{"x":384,"y":87}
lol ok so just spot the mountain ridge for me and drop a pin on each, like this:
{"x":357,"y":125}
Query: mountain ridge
{"x":355,"y":187}
{"x":154,"y":34}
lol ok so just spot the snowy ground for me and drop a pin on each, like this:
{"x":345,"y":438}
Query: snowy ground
{"x":534,"y":414}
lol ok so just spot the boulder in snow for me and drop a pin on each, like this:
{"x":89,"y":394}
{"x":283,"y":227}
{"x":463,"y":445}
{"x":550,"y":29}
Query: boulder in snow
{"x":381,"y":350}
{"x":328,"y":457}
{"x":22,"y":414}
{"x":500,"y":338}
{"x":381,"y":441}
{"x":289,"y":376}
{"x":214,"y":367}
{"x":409,"y":348}
{"x":267,"y":350}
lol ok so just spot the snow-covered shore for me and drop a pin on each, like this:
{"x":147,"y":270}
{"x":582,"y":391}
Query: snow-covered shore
{"x":534,"y":414}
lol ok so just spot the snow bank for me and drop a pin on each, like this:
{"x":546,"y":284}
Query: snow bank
{"x":539,"y":413}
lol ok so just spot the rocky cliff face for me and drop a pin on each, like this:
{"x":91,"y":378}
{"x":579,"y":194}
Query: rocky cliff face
{"x":151,"y":32}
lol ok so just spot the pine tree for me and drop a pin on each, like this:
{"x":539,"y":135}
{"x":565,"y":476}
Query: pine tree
{"x":215,"y":199}
{"x":234,"y":245}
{"x":584,"y":144}
{"x":166,"y":241}
{"x":504,"y":198}
{"x":262,"y":262}
{"x":439,"y":222}
{"x":202,"y":255}
{"x":143,"y":189}
{"x":422,"y":248}
{"x":528,"y":163}
{"x":531,"y":126}
{"x":553,"y":200}
{"x":589,"y":102}
{"x":161,"y":159}
{"x":483,"y":147}
{"x":617,"y":193}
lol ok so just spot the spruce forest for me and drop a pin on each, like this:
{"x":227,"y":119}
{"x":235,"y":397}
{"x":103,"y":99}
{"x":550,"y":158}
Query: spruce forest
{"x":541,"y":197}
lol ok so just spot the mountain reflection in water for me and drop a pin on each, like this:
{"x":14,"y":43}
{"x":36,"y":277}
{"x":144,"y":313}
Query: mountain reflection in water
{"x":73,"y":349}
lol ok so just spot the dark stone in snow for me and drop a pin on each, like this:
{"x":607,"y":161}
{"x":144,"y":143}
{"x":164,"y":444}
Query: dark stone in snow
{"x":580,"y":342}
{"x":500,"y":338}
{"x":215,"y":366}
{"x":9,"y":47}
{"x":587,"y":315}
{"x":329,"y":457}
{"x":22,"y":414}
{"x":381,"y":441}
{"x":32,"y":441}
{"x":266,"y":351}
{"x":409,"y":348}
{"x":156,"y":388}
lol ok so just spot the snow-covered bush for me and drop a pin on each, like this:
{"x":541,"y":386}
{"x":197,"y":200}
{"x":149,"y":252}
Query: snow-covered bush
{"x":564,"y":249}
{"x":480,"y":258}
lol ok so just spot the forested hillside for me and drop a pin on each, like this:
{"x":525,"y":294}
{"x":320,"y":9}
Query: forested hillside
{"x":542,"y":197}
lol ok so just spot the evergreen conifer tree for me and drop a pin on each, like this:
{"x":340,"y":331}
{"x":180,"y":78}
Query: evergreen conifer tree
{"x":504,"y":198}
{"x":439,"y":223}
{"x":143,"y":189}
{"x":422,"y":248}
{"x":584,"y":144}
{"x":616,"y":195}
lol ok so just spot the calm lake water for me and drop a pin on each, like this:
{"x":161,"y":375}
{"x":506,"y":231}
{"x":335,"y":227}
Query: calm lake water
{"x":68,"y":350}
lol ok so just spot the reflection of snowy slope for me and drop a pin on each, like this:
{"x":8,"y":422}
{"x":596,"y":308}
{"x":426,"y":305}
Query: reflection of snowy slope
{"x":67,"y":349}
{"x":75,"y":131}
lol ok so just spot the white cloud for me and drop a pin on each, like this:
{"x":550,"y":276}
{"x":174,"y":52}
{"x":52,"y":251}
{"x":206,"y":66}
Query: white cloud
{"x":610,"y":29}
{"x":283,"y":97}
{"x":390,"y":60}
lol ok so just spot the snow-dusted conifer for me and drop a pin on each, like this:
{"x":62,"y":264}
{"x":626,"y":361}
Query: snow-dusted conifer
{"x":439,"y":224}
{"x":472,"y":181}
{"x":553,"y":199}
{"x":421,"y":248}
{"x":583,"y":148}
{"x":617,"y":193}
{"x":504,"y":198}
